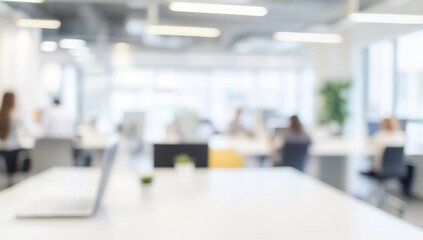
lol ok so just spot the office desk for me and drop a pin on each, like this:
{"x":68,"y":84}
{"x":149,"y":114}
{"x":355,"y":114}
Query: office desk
{"x":246,"y":204}
{"x":251,"y":147}
{"x":332,"y":154}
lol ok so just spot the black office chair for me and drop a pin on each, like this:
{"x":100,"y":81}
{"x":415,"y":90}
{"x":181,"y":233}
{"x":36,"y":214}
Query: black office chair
{"x":295,"y":155}
{"x":393,"y":167}
{"x":14,"y":162}
{"x":165,"y":154}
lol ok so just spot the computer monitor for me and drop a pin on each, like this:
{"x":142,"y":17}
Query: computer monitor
{"x":165,"y":154}
{"x":372,"y":128}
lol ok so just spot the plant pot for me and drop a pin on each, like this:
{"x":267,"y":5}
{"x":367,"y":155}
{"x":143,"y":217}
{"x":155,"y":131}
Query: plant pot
{"x":186,"y":168}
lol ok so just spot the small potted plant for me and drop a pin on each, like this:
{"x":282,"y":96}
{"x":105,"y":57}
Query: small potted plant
{"x":184,"y":163}
{"x":146,"y":180}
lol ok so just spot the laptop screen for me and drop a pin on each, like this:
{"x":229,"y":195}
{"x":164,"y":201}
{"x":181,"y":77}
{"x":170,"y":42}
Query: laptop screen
{"x":105,"y":175}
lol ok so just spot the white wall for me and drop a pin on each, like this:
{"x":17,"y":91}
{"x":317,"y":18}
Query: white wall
{"x":19,"y":61}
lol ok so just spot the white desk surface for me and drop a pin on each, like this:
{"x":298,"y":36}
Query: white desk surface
{"x":247,"y":204}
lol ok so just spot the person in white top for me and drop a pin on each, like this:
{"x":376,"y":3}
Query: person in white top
{"x":12,"y":127}
{"x":10,"y":123}
{"x":57,"y":123}
{"x":389,"y":136}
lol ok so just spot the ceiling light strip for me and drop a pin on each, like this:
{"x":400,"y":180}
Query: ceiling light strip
{"x":308,"y":37}
{"x":38,"y":23}
{"x":385,"y":18}
{"x":48,"y":46}
{"x":218,"y":9}
{"x":183,"y":31}
{"x":23,"y":1}
{"x":72,"y":43}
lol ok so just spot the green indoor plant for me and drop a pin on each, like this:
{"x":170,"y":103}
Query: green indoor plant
{"x":335,"y":103}
{"x":146,"y":180}
{"x":183,"y":159}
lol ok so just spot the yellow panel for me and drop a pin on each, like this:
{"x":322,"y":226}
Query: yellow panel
{"x":225,"y":159}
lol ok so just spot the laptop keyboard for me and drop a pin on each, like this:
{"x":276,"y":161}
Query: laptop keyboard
{"x":61,"y":206}
{"x":72,"y":205}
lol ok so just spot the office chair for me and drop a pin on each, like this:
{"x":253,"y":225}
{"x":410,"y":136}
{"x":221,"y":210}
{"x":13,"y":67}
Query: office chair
{"x":225,"y":158}
{"x":14,"y":162}
{"x":295,"y":155}
{"x":393,"y":167}
{"x":52,"y":152}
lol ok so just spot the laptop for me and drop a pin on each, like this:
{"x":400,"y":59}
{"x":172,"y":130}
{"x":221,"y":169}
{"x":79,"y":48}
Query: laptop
{"x":73,"y":208}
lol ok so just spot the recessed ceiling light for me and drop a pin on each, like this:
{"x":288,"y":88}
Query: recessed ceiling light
{"x":84,"y":59}
{"x":385,"y":18}
{"x":48,"y":46}
{"x":38,"y":23}
{"x":218,"y":8}
{"x":122,"y":46}
{"x":83,"y":51}
{"x":308,"y":37}
{"x":183,"y":31}
{"x":72,"y":43}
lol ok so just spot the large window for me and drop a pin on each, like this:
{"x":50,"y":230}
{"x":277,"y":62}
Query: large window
{"x":380,"y":90}
{"x":395,"y":78}
{"x":410,"y":76}
{"x":165,"y":94}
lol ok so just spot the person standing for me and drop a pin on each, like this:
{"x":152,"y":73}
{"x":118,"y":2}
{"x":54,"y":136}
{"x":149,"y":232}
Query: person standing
{"x":57,"y":123}
{"x":236,"y":126}
{"x":11,"y":129}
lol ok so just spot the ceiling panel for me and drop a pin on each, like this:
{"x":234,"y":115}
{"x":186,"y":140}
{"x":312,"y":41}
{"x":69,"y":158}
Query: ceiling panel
{"x":89,"y":18}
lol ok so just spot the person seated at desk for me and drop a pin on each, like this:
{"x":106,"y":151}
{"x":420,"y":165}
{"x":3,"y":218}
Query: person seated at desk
{"x":389,"y":136}
{"x":11,"y":126}
{"x":57,"y":123}
{"x":295,"y":134}
{"x":236,"y":127}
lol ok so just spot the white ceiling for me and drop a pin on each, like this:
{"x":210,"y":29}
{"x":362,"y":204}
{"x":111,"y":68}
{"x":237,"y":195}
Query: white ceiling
{"x":94,"y":19}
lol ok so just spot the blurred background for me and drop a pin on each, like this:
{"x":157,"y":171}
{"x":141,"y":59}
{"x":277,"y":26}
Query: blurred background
{"x":175,"y":72}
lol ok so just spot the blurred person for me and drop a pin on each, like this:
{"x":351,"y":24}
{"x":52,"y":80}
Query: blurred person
{"x":11,"y":123}
{"x":236,"y":127}
{"x":11,"y":126}
{"x":296,"y":133}
{"x":388,"y":136}
{"x":57,"y":123}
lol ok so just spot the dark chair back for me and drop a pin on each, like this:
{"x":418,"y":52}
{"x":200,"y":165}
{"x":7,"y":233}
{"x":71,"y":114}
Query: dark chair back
{"x":295,"y":155}
{"x":164,"y":154}
{"x":393,"y":163}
